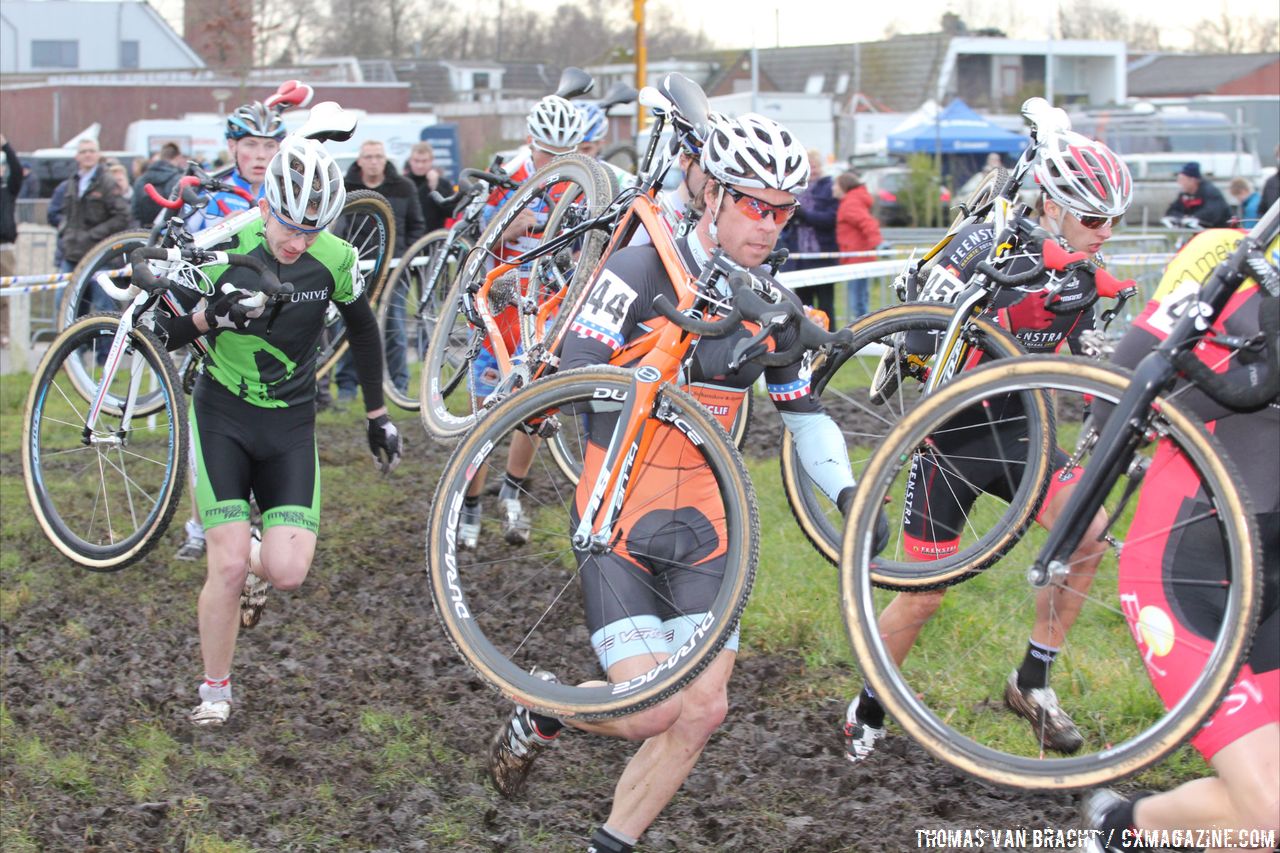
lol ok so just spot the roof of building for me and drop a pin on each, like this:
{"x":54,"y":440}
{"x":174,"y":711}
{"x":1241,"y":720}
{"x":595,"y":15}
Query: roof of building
{"x":1182,"y":74}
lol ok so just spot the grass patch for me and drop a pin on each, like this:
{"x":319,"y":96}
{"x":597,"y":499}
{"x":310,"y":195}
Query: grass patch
{"x":150,"y":749}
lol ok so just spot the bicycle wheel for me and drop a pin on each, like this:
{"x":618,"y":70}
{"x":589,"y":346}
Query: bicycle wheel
{"x":562,"y":194}
{"x":980,"y":199}
{"x":566,"y":450}
{"x":623,"y":155}
{"x":111,"y":253}
{"x":506,"y":609}
{"x":104,"y":497}
{"x":1177,"y":492}
{"x":892,"y":351}
{"x":368,"y":224}
{"x":449,"y":406}
{"x":410,"y":309}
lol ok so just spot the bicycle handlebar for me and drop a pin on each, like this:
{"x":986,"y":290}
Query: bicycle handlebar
{"x":1052,"y":256}
{"x":270,"y":287}
{"x":749,"y":305}
{"x":187,"y":195}
{"x":467,"y":190}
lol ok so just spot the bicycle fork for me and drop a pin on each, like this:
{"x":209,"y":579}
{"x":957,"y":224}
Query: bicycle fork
{"x":595,"y":531}
{"x":109,"y":369}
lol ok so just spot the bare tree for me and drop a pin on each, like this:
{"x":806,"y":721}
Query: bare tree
{"x":1087,"y":19}
{"x":1228,"y":33}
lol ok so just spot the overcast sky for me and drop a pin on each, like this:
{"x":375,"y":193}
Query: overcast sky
{"x":735,"y":23}
{"x":800,"y":22}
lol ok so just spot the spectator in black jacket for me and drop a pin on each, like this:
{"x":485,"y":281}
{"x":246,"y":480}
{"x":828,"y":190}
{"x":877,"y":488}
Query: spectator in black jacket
{"x":1199,"y":200}
{"x":163,"y":173}
{"x":94,"y":209}
{"x":814,"y":230}
{"x":1271,"y":189}
{"x":421,"y":169}
{"x":10,"y":186}
{"x":372,"y":171}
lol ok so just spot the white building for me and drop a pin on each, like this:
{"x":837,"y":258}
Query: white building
{"x":49,"y":36}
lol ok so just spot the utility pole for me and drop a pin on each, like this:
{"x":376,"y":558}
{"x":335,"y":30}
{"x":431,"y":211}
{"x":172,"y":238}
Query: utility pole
{"x":637,"y":13}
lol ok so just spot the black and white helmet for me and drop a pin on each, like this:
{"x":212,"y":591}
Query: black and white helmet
{"x":1083,"y":175}
{"x":304,"y":183}
{"x":754,"y":151}
{"x":555,"y":124}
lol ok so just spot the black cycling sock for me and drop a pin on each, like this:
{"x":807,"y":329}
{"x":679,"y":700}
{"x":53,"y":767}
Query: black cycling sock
{"x":870,"y":712}
{"x":1034,"y":671}
{"x":548,"y":727}
{"x":603,"y":840}
{"x":511,"y":487}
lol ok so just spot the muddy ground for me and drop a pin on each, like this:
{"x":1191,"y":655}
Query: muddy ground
{"x":356,"y":727}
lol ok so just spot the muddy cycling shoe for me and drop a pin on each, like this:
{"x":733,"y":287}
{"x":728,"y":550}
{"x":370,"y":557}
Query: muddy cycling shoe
{"x":211,"y":713}
{"x":859,"y":738}
{"x":515,"y":747}
{"x":515,"y":526}
{"x":1049,"y":723}
{"x":252,"y":599}
{"x":1094,"y":811}
{"x":893,"y":365}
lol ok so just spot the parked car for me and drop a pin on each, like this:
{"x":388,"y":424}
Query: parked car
{"x":887,"y":186}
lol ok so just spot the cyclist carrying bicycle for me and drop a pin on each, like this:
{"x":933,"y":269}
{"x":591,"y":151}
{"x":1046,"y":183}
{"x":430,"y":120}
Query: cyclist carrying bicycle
{"x":1084,"y":189}
{"x":253,"y":136}
{"x":253,"y":409}
{"x":755,"y":168}
{"x":254,"y":132}
{"x":555,"y":128}
{"x":1175,"y":574}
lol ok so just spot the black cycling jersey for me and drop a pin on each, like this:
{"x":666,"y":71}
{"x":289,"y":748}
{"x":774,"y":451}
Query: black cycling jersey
{"x":1022,"y":310}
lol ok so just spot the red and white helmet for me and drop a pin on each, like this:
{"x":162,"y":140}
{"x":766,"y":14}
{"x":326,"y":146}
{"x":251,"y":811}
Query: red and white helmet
{"x":1083,"y":175}
{"x":754,"y":151}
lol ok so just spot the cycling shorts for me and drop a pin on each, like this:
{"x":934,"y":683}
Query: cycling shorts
{"x":1168,"y":568}
{"x":238,"y":448}
{"x":649,"y":593}
{"x":938,"y":500}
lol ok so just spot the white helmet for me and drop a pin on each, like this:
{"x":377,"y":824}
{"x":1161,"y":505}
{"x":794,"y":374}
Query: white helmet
{"x":304,"y":183}
{"x":554,"y":123}
{"x":754,"y":151}
{"x":1082,"y":175}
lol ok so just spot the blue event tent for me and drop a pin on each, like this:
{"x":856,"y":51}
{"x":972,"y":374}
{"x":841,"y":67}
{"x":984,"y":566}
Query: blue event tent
{"x":958,"y":130}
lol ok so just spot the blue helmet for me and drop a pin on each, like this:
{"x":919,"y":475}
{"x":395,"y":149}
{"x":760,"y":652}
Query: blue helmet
{"x":255,"y":120}
{"x":594,"y":121}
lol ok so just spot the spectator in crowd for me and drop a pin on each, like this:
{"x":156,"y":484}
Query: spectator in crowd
{"x":372,"y":171}
{"x":813,"y":229}
{"x":421,"y":169}
{"x":1271,"y":189}
{"x":120,"y":174}
{"x":1199,"y":203}
{"x":162,"y":173}
{"x":857,"y":230}
{"x":11,"y":176}
{"x":1246,"y":201}
{"x":94,"y":209}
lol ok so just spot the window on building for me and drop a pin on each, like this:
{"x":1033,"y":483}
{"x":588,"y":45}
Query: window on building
{"x":480,"y":80}
{"x":813,"y":86}
{"x":55,"y":54}
{"x":129,"y":54}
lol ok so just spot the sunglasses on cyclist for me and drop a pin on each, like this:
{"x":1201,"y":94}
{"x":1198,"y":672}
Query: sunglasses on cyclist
{"x":292,"y":229}
{"x":757,"y":209}
{"x":1095,"y":223}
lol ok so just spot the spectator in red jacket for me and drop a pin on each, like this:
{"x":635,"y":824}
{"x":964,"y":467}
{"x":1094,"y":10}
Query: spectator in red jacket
{"x":856,"y":231}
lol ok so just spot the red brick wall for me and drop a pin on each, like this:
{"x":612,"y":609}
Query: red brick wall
{"x":1264,"y":81}
{"x":27,"y":115}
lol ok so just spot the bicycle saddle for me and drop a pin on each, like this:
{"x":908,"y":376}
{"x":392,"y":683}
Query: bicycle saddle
{"x":329,"y":122}
{"x":574,"y":82}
